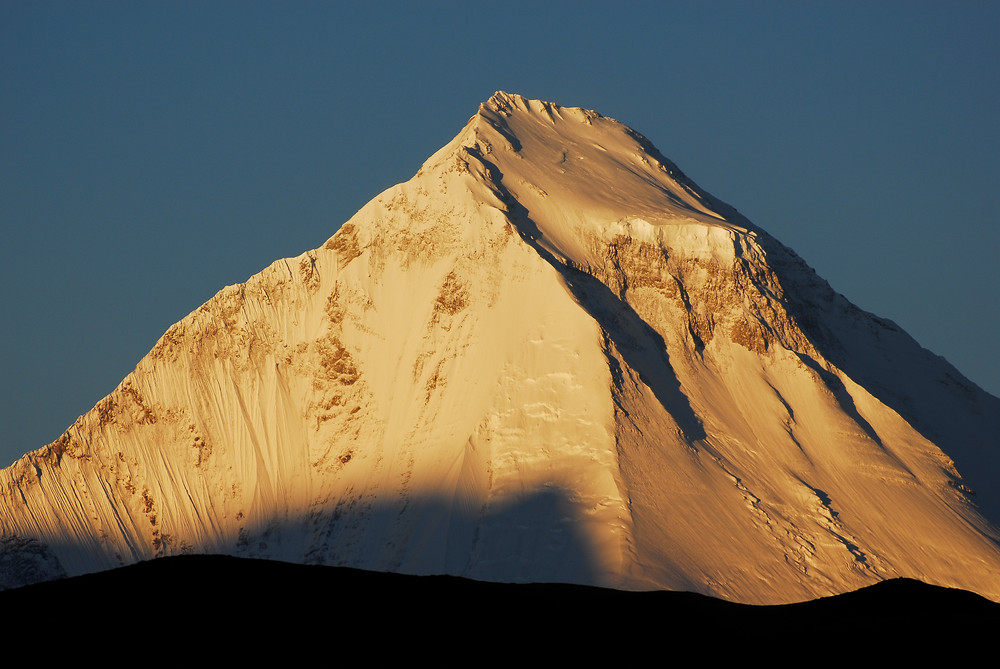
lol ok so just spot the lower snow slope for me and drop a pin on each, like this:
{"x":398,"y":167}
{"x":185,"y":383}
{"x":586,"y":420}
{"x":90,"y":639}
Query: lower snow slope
{"x":548,"y":357}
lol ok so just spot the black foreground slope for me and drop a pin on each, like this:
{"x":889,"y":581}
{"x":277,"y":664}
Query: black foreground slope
{"x":208,"y":603}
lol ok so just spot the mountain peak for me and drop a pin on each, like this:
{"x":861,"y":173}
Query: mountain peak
{"x":512,"y":103}
{"x":549,"y":356}
{"x":581,"y":174}
{"x":504,"y":100}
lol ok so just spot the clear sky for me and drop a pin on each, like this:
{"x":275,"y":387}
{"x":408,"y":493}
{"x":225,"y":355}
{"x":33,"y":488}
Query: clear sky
{"x":154,"y":152}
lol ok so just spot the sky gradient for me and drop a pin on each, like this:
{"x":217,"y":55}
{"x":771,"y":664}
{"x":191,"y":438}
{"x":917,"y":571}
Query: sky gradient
{"x":152,"y":153}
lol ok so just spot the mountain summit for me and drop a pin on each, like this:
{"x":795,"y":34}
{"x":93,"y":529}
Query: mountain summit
{"x":549,"y":356}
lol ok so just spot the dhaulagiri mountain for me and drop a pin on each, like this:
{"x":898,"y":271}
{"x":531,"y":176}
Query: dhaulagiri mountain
{"x":547,"y":357}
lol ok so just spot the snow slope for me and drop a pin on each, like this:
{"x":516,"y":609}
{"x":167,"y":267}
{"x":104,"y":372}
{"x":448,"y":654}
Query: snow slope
{"x":549,"y":356}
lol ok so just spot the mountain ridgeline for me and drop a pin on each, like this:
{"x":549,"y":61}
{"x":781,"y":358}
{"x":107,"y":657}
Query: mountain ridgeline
{"x":548,"y":357}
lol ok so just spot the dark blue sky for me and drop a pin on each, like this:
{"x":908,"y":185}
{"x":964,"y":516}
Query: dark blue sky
{"x":152,"y":153}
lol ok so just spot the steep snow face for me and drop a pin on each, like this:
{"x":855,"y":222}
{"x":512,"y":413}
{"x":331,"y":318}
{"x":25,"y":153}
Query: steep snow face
{"x":547,"y":357}
{"x":578,"y":176}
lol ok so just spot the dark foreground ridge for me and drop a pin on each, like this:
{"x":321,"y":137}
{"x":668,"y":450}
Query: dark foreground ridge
{"x":259,"y":609}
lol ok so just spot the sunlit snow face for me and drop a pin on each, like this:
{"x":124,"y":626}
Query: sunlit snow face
{"x":548,"y":356}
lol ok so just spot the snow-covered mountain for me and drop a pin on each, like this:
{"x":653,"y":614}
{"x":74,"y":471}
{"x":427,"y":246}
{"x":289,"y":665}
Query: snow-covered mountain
{"x":549,"y":356}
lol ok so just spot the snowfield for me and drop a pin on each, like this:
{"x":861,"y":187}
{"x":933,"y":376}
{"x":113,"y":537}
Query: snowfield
{"x":549,"y":356}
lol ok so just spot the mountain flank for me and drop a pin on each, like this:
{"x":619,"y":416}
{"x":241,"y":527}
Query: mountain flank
{"x":548,"y":357}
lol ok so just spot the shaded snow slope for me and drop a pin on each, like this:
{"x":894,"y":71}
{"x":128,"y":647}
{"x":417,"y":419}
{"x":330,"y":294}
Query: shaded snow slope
{"x":549,"y":356}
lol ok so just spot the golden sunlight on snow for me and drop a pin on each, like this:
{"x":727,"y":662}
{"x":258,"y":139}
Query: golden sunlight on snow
{"x":547,"y":357}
